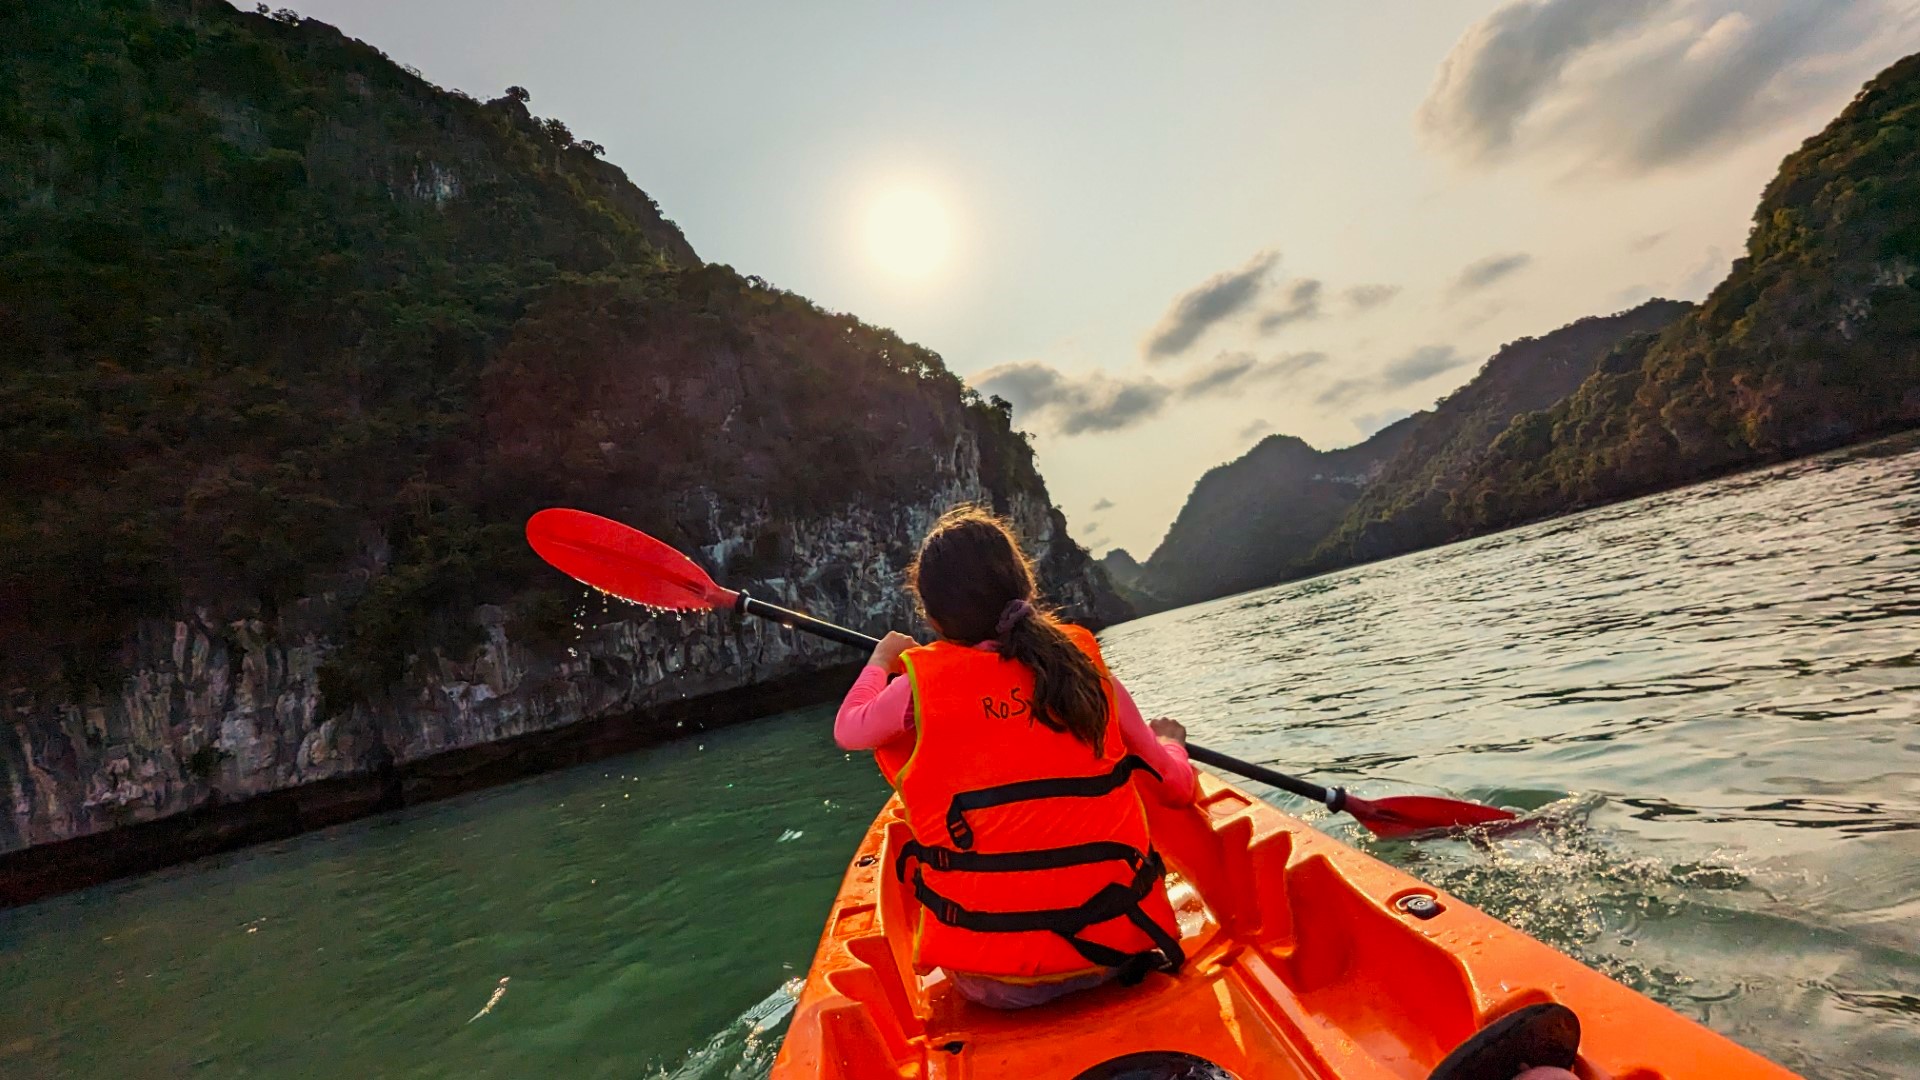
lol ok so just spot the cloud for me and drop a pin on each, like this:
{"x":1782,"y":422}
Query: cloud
{"x":1093,"y":526}
{"x":1631,"y":297}
{"x":1302,"y":305}
{"x":1647,"y":242}
{"x":1230,"y":370}
{"x":1507,"y":63}
{"x":1420,"y":365}
{"x":1095,"y":401}
{"x":1073,"y":404}
{"x":1255,"y":430}
{"x":1344,"y":391}
{"x":1368,"y":297}
{"x":1476,"y":320}
{"x":1371,"y":424}
{"x":1489,"y":270}
{"x":1640,"y":84}
{"x":1712,"y":269}
{"x":1295,"y":363}
{"x":1416,"y":367}
{"x":1202,"y":307}
{"x":1103,"y":504}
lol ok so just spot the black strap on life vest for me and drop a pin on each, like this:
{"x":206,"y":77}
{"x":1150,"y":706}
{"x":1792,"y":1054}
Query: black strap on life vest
{"x":1073,"y":787}
{"x":1112,"y":902}
{"x":946,"y":858}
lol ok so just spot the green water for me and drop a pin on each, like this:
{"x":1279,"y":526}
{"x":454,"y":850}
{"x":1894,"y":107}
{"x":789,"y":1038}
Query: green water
{"x":637,"y":907}
{"x":1710,"y":698}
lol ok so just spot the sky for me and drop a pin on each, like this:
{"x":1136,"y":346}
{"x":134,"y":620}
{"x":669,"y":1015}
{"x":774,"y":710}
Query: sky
{"x":1164,"y":231}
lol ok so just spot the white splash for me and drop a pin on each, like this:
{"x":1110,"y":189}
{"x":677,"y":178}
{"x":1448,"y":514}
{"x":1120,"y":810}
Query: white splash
{"x":499,"y":992}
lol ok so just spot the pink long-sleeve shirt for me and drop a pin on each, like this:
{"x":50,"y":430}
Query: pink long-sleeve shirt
{"x":876,"y":713}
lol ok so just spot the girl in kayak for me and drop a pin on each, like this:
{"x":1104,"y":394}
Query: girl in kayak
{"x":1023,"y":765}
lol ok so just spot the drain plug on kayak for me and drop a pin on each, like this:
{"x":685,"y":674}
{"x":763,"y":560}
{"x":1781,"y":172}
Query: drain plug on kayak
{"x":1419,"y":905}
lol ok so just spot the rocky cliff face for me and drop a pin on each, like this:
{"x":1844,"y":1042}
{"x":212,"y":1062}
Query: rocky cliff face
{"x":217,"y":708}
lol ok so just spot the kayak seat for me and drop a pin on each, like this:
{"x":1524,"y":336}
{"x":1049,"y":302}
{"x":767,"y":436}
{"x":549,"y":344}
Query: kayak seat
{"x":1529,"y":1037}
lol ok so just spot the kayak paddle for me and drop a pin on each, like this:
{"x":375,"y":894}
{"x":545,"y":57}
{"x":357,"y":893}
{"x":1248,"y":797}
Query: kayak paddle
{"x":627,"y":563}
{"x":1396,"y":815}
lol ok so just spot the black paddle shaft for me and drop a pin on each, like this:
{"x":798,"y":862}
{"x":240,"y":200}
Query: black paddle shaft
{"x":1333,"y":799}
{"x":787,"y":617}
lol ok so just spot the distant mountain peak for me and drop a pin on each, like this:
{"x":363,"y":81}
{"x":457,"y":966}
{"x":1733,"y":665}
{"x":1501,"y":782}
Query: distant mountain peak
{"x":1262,"y":517}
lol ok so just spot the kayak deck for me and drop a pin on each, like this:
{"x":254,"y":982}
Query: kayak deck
{"x":1306,"y":959}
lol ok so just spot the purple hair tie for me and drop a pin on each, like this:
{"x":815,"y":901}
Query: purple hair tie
{"x":1011,"y":615}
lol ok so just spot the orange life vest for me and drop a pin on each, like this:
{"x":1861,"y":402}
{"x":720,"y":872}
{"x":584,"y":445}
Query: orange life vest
{"x":1030,"y":855}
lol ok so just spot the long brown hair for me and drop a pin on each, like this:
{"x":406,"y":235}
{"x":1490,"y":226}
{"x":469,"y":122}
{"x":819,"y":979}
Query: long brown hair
{"x":967,"y":577}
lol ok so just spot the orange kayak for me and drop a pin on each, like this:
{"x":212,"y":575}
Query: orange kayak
{"x":1306,"y":958}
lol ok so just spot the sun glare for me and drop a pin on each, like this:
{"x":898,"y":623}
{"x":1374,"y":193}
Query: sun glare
{"x":909,"y":233}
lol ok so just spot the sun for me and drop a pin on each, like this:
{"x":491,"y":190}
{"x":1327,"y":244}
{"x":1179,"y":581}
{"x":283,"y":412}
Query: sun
{"x":909,"y":233}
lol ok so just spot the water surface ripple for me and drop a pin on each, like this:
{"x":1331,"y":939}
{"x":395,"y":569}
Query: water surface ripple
{"x":1712,"y":696}
{"x":1715,"y":692}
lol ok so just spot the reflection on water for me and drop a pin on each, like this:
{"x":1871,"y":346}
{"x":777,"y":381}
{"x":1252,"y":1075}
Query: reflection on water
{"x":1711,"y":699}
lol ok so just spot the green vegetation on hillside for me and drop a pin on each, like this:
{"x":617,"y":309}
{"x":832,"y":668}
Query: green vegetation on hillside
{"x":278,"y":317}
{"x":1284,"y":509}
{"x":1813,"y":341}
{"x":1405,"y":506}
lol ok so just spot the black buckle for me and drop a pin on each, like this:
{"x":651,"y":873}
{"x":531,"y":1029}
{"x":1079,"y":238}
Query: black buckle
{"x":958,"y":829}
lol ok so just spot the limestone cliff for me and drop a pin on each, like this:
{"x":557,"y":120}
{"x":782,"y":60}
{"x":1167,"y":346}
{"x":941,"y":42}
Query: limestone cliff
{"x":216,"y":708}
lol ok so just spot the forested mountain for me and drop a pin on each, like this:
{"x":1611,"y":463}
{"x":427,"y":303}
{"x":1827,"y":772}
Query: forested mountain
{"x":1248,"y":522}
{"x":1284,"y":507}
{"x":272,"y":307}
{"x":1813,"y":341}
{"x":1404,"y":508}
{"x":293,"y":341}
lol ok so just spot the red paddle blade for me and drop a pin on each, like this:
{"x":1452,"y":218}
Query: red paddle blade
{"x":622,"y":560}
{"x":1404,"y":815}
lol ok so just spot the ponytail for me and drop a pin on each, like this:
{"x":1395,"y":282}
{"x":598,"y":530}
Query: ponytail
{"x":975,"y":584}
{"x":1069,"y":693}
